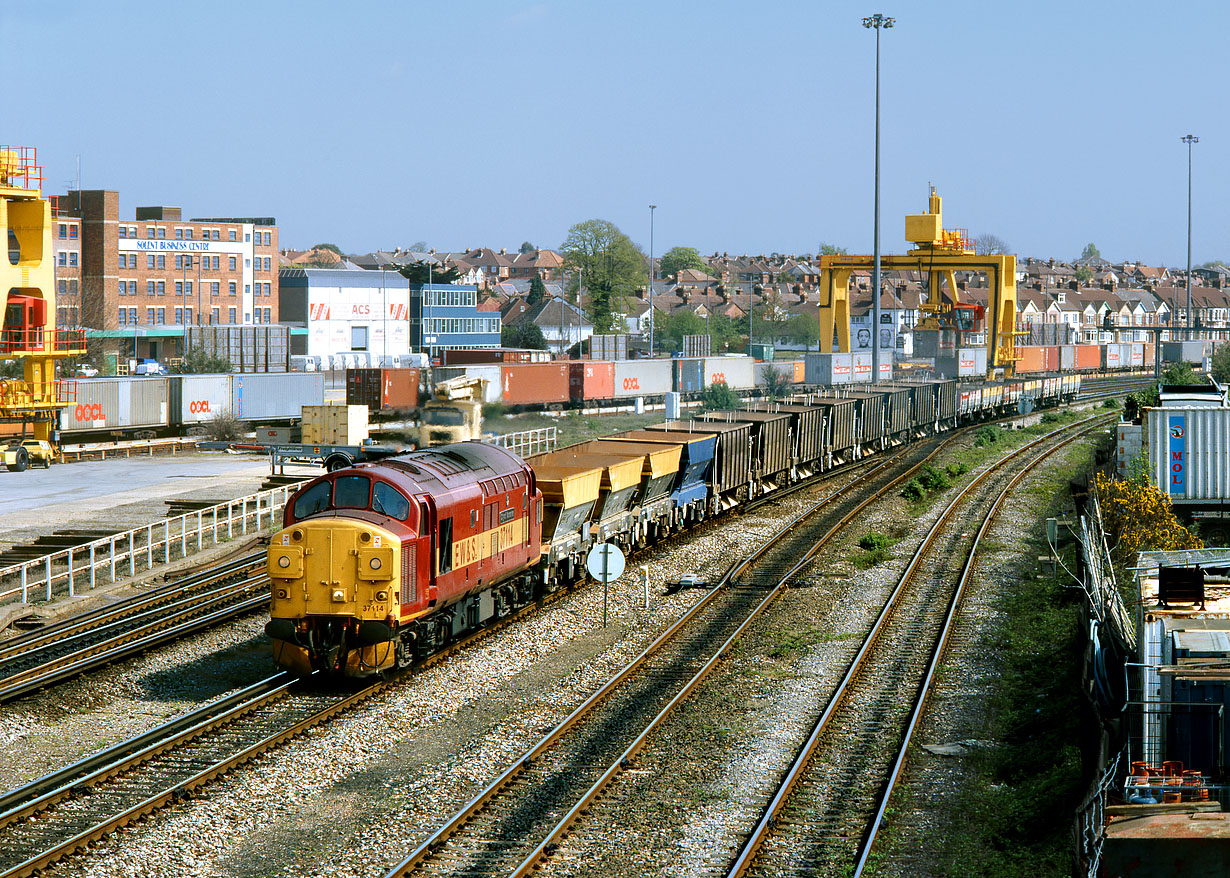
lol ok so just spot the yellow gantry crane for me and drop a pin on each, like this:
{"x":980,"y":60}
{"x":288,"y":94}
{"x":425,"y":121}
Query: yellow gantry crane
{"x":936,"y":255}
{"x":30,"y":405}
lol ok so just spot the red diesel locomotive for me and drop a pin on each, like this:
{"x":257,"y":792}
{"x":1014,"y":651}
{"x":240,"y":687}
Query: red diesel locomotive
{"x":381,"y":562}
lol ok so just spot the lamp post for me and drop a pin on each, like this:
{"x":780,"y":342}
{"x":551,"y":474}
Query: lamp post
{"x":652,"y":208}
{"x":1189,"y":139}
{"x":876,"y":21}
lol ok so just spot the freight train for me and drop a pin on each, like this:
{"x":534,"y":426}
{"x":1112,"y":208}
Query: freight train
{"x":381,"y":563}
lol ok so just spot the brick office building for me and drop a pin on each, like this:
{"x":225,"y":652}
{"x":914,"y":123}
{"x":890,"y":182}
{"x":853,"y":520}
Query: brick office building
{"x":66,"y":258}
{"x":143,"y":280}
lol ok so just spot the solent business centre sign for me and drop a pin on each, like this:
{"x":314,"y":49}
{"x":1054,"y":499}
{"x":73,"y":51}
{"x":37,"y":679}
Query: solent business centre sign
{"x":162,"y":246}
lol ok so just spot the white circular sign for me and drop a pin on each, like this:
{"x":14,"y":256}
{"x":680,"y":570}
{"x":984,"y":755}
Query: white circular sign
{"x":605,"y":562}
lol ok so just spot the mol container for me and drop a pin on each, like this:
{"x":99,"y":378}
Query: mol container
{"x":534,"y":384}
{"x":197,"y":399}
{"x":737,"y":372}
{"x":1188,"y":450}
{"x":642,"y":378}
{"x":591,"y":380}
{"x":275,"y":396}
{"x":335,"y":424}
{"x":828,"y":370}
{"x":383,"y":389}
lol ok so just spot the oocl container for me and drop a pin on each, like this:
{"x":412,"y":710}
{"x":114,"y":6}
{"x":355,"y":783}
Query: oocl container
{"x":735,"y":371}
{"x":642,"y":378}
{"x":197,"y":399}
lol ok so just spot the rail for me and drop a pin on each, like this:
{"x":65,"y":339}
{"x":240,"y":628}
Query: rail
{"x":139,"y":550}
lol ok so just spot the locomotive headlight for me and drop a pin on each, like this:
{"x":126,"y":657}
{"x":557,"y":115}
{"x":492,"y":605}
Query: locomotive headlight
{"x":283,"y":562}
{"x":382,"y":595}
{"x":282,"y":593}
{"x":339,"y":595}
{"x":375,"y":562}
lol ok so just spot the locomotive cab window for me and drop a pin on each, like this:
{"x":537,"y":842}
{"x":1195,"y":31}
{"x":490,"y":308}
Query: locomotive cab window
{"x":315,"y":499}
{"x":387,"y":500}
{"x":352,"y":492}
{"x":445,"y":562}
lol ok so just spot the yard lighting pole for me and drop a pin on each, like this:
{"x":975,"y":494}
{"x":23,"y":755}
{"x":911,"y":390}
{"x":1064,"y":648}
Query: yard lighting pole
{"x":1189,"y":139}
{"x":876,"y":21}
{"x":652,"y":208}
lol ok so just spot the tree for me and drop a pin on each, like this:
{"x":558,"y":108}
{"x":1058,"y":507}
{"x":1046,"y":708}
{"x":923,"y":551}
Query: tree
{"x":673,"y":327}
{"x":523,"y":334}
{"x":332,"y":247}
{"x":424,"y":272}
{"x":1221,"y":363}
{"x":419,"y":247}
{"x":613,"y":268}
{"x":1141,"y":517}
{"x":538,"y":292}
{"x":832,"y":250}
{"x":718,"y":397}
{"x":1091,"y":251}
{"x":990,"y":245}
{"x":676,"y":259}
{"x":1083,"y":274}
{"x":776,"y":384}
{"x":527,"y":247}
{"x":803,"y":329}
{"x":198,"y":362}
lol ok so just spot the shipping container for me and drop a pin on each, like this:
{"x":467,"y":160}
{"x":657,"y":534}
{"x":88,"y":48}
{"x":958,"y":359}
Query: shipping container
{"x":1067,"y":358}
{"x":264,"y":348}
{"x":1112,"y":356}
{"x":860,"y":367}
{"x":383,"y":389}
{"x":1192,"y":352}
{"x":1188,"y":451}
{"x":1138,"y":355}
{"x":771,"y":445}
{"x":590,"y":380}
{"x":828,"y":370}
{"x":534,"y":384}
{"x":689,"y":375}
{"x":275,"y":397}
{"x":1150,"y":353}
{"x":735,"y":371}
{"x":487,"y":356}
{"x":732,"y":456}
{"x":762,"y":351}
{"x":197,"y":399}
{"x":609,"y":347}
{"x":643,"y":378}
{"x":971,"y":362}
{"x":106,"y":404}
{"x":334,"y":424}
{"x":1088,"y":357}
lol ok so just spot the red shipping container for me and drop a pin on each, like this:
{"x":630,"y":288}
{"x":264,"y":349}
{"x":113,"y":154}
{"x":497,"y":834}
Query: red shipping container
{"x":534,"y":383}
{"x":1051,"y":359}
{"x":1150,"y":350}
{"x":591,"y":380}
{"x":395,"y":389}
{"x":1088,"y":357}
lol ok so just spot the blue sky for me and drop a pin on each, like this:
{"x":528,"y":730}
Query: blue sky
{"x":750,"y":125}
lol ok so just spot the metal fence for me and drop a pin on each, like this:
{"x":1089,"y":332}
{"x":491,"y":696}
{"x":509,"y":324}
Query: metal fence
{"x":527,"y":442}
{"x":140,"y":550}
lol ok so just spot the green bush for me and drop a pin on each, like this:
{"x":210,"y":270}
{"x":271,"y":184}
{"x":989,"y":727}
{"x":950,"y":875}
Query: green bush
{"x":224,"y":427}
{"x":718,"y":397}
{"x":1111,"y":404}
{"x":933,"y":479}
{"x":956,"y":469}
{"x":986,"y":435}
{"x":873,"y":540}
{"x":913,"y":491}
{"x":1051,"y":417}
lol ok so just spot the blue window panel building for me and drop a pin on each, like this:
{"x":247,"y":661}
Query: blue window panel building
{"x":447,"y":316}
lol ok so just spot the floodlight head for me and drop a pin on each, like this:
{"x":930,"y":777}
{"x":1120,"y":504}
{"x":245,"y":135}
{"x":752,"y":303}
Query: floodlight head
{"x":1190,"y":139}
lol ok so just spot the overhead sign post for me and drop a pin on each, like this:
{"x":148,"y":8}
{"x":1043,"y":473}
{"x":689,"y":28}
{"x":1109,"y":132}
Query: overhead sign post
{"x":605,"y":563}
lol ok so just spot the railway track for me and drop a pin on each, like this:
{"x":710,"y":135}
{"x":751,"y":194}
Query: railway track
{"x":62,"y":650}
{"x":519,"y":819}
{"x":837,"y":780}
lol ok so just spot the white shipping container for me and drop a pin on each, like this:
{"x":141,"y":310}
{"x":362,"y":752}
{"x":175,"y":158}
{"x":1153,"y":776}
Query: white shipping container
{"x":737,"y":372}
{"x":1138,"y":355}
{"x":971,"y":362}
{"x":275,"y":396}
{"x":1067,"y":358}
{"x":860,"y":366}
{"x":1189,"y":453}
{"x":202,"y":397}
{"x":643,"y":377}
{"x":828,"y":369}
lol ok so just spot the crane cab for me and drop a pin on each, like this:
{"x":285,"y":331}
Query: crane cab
{"x":24,"y":319}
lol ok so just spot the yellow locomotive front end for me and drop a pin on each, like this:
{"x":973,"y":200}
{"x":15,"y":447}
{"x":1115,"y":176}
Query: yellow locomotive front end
{"x":335,"y":596}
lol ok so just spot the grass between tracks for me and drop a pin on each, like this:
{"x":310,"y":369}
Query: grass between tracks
{"x":1014,"y":814}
